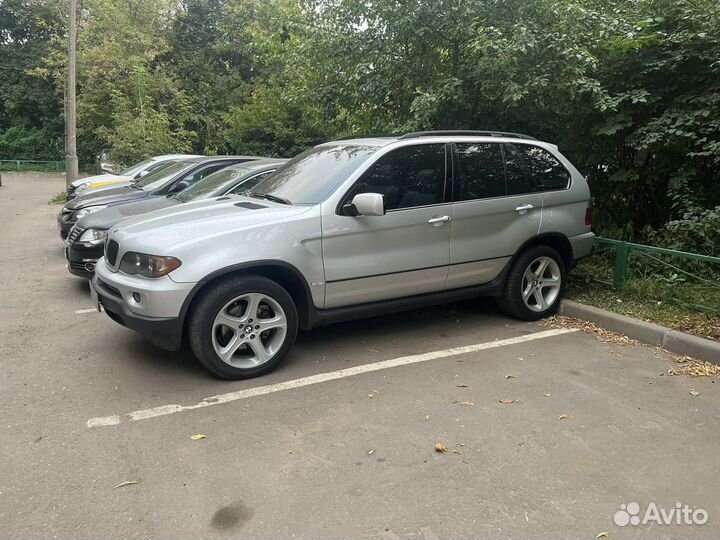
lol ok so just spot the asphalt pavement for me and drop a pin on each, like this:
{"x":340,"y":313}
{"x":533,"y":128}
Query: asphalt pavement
{"x":548,"y":432}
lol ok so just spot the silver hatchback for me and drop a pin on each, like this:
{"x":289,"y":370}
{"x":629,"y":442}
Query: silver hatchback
{"x":351,"y":228}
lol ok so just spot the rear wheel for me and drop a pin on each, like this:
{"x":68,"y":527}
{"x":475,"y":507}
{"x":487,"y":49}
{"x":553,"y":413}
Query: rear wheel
{"x":243,"y":327}
{"x":534,"y":285}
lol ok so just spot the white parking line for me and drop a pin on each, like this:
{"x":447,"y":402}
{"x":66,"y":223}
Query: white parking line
{"x":88,"y":310}
{"x":163,"y":410}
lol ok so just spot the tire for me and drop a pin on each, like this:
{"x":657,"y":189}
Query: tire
{"x":252,"y":343}
{"x":526,"y":266}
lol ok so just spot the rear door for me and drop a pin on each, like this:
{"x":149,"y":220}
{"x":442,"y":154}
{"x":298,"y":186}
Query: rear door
{"x":493,"y":211}
{"x":564,"y":205}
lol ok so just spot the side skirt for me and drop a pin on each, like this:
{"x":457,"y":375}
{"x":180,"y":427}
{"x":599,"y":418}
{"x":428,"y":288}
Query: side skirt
{"x":321,"y":317}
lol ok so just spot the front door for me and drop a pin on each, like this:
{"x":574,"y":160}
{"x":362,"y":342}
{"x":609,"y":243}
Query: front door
{"x":406,"y":251}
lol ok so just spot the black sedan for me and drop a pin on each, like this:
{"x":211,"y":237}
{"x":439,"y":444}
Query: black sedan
{"x":84,"y":246}
{"x":164,"y":181}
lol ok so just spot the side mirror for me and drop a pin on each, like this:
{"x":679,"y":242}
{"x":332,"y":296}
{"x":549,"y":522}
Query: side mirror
{"x":368,"y":204}
{"x":177,"y":188}
{"x":141,"y":174}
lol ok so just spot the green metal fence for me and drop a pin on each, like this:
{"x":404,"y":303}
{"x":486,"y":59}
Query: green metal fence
{"x":654,"y":264}
{"x":31,"y":165}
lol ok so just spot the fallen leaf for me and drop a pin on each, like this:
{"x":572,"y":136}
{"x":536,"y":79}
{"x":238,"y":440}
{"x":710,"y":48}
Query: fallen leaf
{"x":440,"y":447}
{"x":507,"y":401}
{"x":694,"y":393}
{"x":371,"y":452}
{"x":467,"y":404}
{"x":602,"y":535}
{"x":370,"y":396}
{"x":461,"y":386}
{"x":565,"y":417}
{"x":128,"y":483}
{"x":198,"y":437}
{"x":548,"y":395}
{"x":510,"y":377}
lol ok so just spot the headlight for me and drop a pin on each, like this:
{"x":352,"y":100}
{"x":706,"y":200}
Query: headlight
{"x":82,"y":187}
{"x":94,"y":237}
{"x":151,"y":266}
{"x":89,"y":210}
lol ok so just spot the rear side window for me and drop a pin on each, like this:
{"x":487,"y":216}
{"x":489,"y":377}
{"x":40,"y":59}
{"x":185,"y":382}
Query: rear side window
{"x":546,"y":172}
{"x":407,"y":177}
{"x":481,"y":173}
{"x":518,"y":179}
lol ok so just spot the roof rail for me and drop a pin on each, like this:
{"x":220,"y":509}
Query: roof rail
{"x":367,"y":136}
{"x":443,"y":133}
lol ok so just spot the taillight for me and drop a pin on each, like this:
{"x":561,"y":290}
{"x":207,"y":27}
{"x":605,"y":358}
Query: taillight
{"x":588,"y":217}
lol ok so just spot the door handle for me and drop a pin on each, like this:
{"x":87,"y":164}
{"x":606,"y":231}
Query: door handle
{"x":440,"y":219}
{"x":523,"y":208}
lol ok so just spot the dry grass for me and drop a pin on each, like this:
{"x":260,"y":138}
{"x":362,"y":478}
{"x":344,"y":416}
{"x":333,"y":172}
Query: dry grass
{"x":686,"y":365}
{"x":693,"y":368}
{"x":604,"y":335}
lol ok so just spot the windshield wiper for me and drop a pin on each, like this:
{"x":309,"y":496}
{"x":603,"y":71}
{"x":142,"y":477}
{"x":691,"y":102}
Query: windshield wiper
{"x":269,"y":197}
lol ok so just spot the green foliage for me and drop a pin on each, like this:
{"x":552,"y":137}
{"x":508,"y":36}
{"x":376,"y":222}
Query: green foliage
{"x":270,"y":124}
{"x":629,"y":90}
{"x":30,"y":112}
{"x":58,"y":198}
{"x":22,"y":142}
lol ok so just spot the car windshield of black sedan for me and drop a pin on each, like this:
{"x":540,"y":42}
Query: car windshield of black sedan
{"x":212,"y":183}
{"x":312,"y":176}
{"x":162,"y":175}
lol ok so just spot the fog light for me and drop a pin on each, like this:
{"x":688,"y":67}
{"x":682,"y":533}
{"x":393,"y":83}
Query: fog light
{"x":137,"y":297}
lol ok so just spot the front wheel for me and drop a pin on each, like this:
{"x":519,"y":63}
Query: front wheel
{"x":243,"y":327}
{"x":534,"y":285}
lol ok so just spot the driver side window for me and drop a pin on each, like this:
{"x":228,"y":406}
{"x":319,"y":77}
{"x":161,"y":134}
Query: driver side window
{"x":408,"y":177}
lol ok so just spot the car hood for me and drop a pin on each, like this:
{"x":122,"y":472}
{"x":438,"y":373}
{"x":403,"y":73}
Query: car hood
{"x":104,"y":219}
{"x":109,"y":197}
{"x":100,"y":178}
{"x":171,"y":229}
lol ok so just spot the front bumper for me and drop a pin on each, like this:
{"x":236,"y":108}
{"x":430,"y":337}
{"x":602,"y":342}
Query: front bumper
{"x":82,"y":258}
{"x":157,"y":313}
{"x":165,"y":333}
{"x":65,"y":222}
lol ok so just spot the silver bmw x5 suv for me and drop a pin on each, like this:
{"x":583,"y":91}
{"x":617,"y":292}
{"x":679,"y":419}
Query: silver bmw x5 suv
{"x":348,"y":229}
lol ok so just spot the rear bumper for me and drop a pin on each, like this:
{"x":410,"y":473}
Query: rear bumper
{"x":582,"y":244}
{"x":165,"y":333}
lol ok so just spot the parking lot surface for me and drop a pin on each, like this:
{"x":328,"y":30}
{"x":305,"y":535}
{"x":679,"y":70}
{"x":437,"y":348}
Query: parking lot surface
{"x":548,"y":432}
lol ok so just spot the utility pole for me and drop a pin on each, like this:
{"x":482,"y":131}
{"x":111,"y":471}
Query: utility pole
{"x":71,"y":159}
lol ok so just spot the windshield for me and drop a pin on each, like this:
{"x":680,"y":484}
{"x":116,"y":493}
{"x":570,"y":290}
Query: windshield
{"x":211,"y":183}
{"x":161,"y":175}
{"x":313,"y":175}
{"x":137,"y":168}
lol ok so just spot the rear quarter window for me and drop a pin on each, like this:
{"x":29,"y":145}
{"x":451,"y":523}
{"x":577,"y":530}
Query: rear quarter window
{"x":545,"y":171}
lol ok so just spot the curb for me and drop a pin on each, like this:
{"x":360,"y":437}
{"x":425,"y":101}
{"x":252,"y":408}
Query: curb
{"x":645,"y":332}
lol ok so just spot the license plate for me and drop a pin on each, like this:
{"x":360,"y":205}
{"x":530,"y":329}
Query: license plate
{"x":94,"y":298}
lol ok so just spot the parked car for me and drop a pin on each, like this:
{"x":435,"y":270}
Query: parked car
{"x":103,"y":164}
{"x":164,"y":181}
{"x":351,"y":228}
{"x":86,"y":241}
{"x":92,"y":183}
